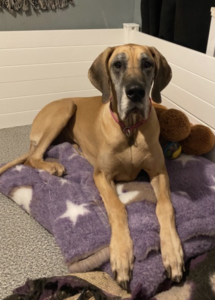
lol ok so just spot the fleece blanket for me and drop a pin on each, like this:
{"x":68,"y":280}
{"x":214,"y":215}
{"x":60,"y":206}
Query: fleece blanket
{"x":72,"y":210}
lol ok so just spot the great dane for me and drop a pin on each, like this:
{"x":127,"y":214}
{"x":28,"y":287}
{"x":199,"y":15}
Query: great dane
{"x":118,"y":134}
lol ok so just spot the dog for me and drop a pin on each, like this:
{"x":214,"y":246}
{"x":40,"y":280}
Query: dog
{"x":118,"y":134}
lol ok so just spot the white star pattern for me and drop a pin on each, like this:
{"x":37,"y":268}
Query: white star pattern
{"x":19,"y":168}
{"x":63,"y":181}
{"x":73,"y":211}
{"x":72,"y":156}
{"x":125,"y":197}
{"x":185,"y":158}
{"x":23,"y":196}
{"x":213,"y":186}
{"x":184,"y":194}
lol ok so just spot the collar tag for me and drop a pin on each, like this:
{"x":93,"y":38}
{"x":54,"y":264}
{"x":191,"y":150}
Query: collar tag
{"x":127,"y":131}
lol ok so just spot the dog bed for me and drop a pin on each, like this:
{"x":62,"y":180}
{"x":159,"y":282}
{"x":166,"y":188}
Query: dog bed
{"x":72,"y":210}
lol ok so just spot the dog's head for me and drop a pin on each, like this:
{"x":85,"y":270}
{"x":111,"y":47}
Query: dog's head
{"x":128,"y":72}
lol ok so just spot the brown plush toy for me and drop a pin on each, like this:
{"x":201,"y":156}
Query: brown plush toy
{"x":178,"y":134}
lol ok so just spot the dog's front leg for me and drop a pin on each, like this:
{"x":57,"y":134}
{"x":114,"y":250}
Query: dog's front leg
{"x":171,"y":249}
{"x":121,"y":245}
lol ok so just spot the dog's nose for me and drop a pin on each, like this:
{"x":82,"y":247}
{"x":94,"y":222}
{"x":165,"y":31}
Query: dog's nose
{"x":135,"y":93}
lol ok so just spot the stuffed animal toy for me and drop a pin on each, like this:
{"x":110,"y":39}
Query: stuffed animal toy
{"x":178,"y":135}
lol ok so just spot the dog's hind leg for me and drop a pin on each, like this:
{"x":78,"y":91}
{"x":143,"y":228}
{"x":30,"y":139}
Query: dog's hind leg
{"x":46,"y":127}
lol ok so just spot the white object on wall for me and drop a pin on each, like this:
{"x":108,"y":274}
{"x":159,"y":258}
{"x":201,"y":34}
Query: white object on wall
{"x":127,"y":28}
{"x":211,"y":38}
{"x":131,"y":26}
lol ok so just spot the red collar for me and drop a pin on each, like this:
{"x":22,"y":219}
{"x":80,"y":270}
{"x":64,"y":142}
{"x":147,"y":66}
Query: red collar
{"x":127,"y":129}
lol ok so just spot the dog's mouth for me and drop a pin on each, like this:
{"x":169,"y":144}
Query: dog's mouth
{"x":138,"y":110}
{"x":134,"y":111}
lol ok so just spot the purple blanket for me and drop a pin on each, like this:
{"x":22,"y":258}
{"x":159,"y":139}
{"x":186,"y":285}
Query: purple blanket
{"x":72,"y":210}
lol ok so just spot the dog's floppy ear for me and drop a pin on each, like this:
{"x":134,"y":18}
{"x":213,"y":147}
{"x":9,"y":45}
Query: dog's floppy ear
{"x":163,"y":74}
{"x":99,"y":75}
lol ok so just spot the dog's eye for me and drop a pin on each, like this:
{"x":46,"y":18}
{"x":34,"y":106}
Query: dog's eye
{"x":117,"y":64}
{"x":147,"y":64}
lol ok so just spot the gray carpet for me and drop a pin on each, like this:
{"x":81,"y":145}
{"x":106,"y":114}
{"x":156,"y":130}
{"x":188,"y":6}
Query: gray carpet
{"x":27,"y":250}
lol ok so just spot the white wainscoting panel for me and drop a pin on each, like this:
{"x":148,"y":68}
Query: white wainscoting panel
{"x":37,"y":67}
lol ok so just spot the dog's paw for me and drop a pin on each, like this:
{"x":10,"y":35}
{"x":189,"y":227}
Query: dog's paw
{"x":51,"y":166}
{"x":172,"y":255}
{"x":54,"y":168}
{"x":122,"y":259}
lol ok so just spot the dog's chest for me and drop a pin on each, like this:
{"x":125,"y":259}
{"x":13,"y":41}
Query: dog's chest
{"x":130,"y":160}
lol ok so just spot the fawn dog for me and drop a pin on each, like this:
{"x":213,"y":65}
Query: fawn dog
{"x":118,"y":134}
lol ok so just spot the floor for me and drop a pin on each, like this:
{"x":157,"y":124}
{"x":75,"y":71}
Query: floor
{"x":27,"y":250}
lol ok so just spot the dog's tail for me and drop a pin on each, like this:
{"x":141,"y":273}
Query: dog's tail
{"x":19,"y":160}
